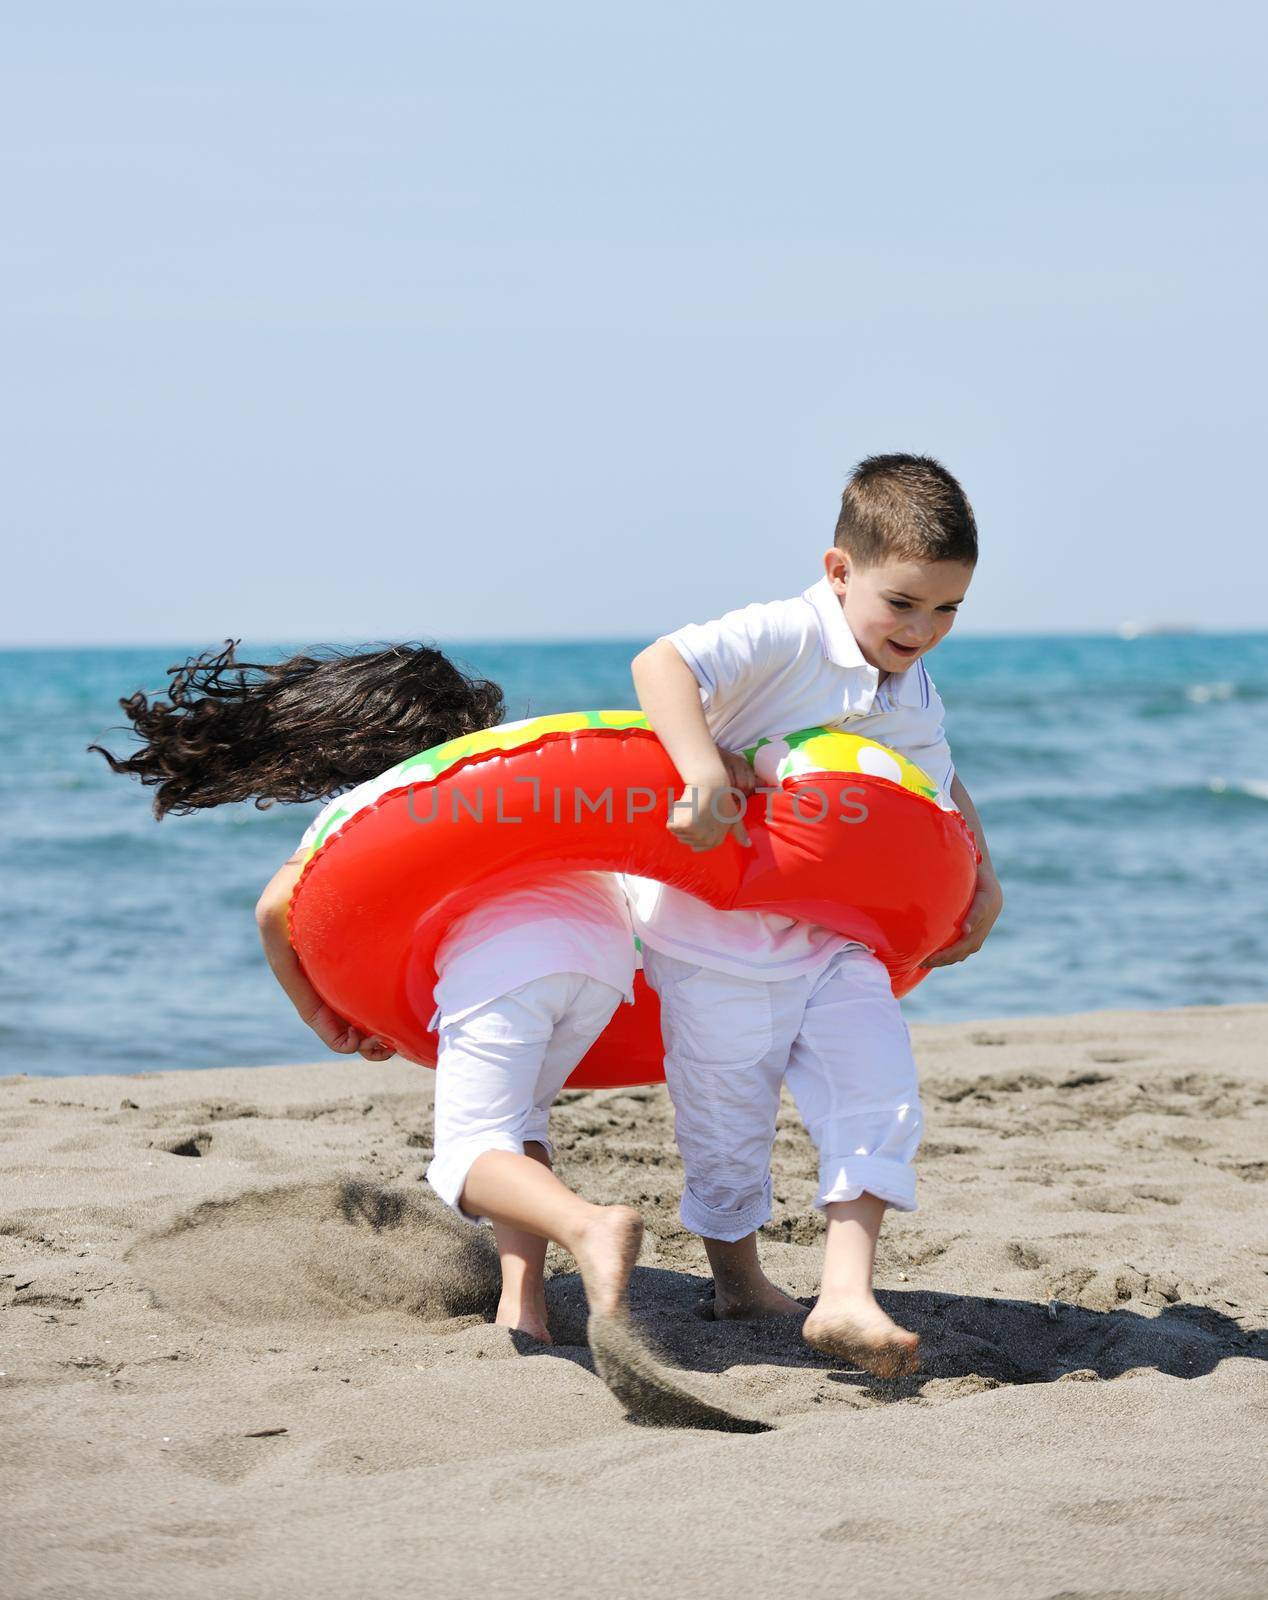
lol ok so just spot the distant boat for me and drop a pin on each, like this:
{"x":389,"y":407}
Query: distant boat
{"x":1144,"y":630}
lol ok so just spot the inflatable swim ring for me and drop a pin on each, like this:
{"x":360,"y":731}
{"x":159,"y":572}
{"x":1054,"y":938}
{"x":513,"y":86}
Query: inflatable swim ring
{"x":846,"y":833}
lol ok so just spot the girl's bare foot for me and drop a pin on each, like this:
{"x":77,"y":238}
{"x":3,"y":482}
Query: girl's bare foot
{"x":855,"y":1329}
{"x":524,"y":1315}
{"x":522,"y":1305}
{"x":606,"y":1251}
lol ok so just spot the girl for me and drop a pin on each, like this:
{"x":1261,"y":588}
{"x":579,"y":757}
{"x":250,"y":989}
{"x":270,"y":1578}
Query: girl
{"x":526,"y":981}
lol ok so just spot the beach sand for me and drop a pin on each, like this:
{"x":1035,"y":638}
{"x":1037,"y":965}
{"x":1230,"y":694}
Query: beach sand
{"x":244,"y":1353}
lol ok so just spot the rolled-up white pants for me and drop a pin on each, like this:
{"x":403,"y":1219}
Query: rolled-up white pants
{"x":500,"y":1066}
{"x":839,"y":1038}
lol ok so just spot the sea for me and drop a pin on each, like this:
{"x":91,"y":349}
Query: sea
{"x":1122,"y":784}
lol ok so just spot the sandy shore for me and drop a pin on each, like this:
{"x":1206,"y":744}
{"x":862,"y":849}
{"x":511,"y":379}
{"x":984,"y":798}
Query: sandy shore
{"x":243,"y":1354}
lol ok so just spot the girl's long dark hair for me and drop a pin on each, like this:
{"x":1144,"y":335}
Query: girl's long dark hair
{"x":301,"y":729}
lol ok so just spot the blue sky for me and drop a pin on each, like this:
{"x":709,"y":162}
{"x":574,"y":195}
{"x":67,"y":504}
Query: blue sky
{"x":385,"y":320}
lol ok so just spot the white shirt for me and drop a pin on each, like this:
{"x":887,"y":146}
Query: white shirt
{"x":567,"y":922}
{"x":764,"y":671}
{"x":572,"y":922}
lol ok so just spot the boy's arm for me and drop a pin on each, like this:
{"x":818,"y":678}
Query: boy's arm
{"x":270,"y":918}
{"x":670,"y":698}
{"x":988,"y":900}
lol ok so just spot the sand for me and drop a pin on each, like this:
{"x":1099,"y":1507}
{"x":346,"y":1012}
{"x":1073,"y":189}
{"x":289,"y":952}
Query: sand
{"x":244,"y":1353}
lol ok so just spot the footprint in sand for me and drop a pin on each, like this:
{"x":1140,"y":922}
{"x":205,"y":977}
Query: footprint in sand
{"x":197,"y":1144}
{"x":1247,"y":1171}
{"x":192,"y":1113}
{"x":858,"y":1530}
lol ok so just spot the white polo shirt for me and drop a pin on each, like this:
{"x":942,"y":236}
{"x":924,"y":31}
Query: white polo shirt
{"x":764,"y":671}
{"x":566,"y":922}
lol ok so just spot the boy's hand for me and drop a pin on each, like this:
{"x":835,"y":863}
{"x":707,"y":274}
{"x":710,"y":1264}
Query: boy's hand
{"x":988,"y":902}
{"x":738,"y":772}
{"x":707,"y":811}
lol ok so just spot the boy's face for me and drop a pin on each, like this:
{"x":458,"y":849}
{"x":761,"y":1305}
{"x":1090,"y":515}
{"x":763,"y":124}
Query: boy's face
{"x":899,"y":611}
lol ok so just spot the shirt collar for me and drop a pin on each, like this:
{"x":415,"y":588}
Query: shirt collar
{"x":841,"y":648}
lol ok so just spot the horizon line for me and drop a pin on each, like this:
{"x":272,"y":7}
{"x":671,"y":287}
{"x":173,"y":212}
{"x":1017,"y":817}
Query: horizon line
{"x":1115,"y":632}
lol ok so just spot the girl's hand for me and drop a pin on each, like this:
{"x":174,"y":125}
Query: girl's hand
{"x":337,"y":1034}
{"x":376,"y":1050}
{"x":333,"y":1030}
{"x":988,"y":902}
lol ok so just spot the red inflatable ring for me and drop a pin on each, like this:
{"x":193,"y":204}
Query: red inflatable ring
{"x":846,"y":833}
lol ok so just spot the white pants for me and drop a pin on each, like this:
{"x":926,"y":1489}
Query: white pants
{"x":500,"y":1066}
{"x":837,"y":1035}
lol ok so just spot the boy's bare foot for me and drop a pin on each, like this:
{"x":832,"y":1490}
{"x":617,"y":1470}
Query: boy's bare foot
{"x":858,"y":1331}
{"x":524,"y":1316}
{"x":749,"y":1303}
{"x":606,"y":1252}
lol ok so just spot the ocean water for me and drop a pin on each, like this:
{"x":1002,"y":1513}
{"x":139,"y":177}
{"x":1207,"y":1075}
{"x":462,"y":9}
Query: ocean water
{"x":1123,"y":786}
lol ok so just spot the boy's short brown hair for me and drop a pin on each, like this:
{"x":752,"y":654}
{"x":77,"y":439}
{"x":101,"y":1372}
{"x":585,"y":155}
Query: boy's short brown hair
{"x":905,"y":508}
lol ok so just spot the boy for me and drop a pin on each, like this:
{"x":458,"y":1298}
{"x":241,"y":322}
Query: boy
{"x":749,"y":998}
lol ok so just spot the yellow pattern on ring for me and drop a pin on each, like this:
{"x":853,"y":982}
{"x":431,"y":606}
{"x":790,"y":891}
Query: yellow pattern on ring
{"x":799,"y":755}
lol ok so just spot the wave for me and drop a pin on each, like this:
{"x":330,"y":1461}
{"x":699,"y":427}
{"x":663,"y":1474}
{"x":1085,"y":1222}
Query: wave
{"x":1251,"y":788}
{"x":1216,"y":797}
{"x":1193,"y":697}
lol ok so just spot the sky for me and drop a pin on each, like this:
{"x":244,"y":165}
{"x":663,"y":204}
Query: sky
{"x":432,"y":320}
